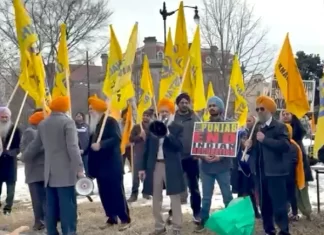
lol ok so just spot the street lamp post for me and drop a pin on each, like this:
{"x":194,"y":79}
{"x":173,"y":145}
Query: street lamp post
{"x":165,"y":14}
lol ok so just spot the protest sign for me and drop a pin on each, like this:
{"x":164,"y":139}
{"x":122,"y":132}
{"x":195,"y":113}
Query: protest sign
{"x":215,"y":138}
{"x":276,"y":94}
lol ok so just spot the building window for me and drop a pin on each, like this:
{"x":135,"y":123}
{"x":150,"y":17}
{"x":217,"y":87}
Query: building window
{"x":160,"y":55}
{"x":208,"y":60}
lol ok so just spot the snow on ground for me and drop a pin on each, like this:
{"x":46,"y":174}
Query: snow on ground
{"x":22,"y":193}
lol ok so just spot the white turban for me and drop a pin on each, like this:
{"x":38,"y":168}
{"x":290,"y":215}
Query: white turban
{"x":5,"y":111}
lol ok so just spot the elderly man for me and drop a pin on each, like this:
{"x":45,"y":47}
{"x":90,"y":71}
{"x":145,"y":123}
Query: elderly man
{"x":187,"y":118}
{"x":34,"y":171}
{"x":271,"y":166}
{"x":105,"y":164}
{"x":58,"y":136}
{"x":214,"y":168}
{"x":8,"y":158}
{"x":162,"y":165}
{"x":138,"y":137}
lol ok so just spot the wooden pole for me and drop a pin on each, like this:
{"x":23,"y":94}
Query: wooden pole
{"x":250,"y":138}
{"x":13,"y":94}
{"x":104,"y":121}
{"x":17,"y":120}
{"x":67,"y":79}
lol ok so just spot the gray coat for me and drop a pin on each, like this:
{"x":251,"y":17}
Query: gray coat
{"x":59,"y":136}
{"x":172,"y":148}
{"x":34,"y":167}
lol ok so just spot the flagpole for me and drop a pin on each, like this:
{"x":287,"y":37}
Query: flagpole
{"x":17,"y":120}
{"x":227,"y":101}
{"x":68,"y":90}
{"x":13,"y":94}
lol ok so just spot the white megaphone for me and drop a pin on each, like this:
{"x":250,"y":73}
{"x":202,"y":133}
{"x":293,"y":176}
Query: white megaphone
{"x":84,"y":186}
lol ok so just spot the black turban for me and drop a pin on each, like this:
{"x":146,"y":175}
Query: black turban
{"x":182,"y":96}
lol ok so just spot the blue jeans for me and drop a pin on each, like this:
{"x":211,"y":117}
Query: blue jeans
{"x":208,"y":182}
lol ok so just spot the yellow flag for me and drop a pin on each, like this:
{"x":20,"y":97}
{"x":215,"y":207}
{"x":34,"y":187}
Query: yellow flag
{"x":127,"y":129}
{"x":290,"y":81}
{"x":145,"y":100}
{"x":196,"y":71}
{"x":30,"y":79}
{"x":319,"y":134}
{"x":181,"y":50}
{"x":62,"y":69}
{"x":113,"y":64}
{"x":210,"y":93}
{"x":170,"y":78}
{"x":237,"y":85}
{"x":123,"y":89}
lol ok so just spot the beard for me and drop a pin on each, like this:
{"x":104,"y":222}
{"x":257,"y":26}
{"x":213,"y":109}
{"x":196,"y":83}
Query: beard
{"x":94,"y":120}
{"x":4,"y":128}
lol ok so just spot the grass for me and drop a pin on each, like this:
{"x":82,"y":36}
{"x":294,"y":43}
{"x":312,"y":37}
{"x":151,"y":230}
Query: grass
{"x":91,"y":217}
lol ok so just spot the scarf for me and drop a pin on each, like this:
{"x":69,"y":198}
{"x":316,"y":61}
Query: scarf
{"x":300,"y":175}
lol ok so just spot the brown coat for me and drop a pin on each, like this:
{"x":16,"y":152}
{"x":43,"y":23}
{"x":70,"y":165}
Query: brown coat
{"x":59,"y":137}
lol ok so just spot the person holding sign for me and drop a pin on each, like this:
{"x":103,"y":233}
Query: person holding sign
{"x":161,"y":164}
{"x":105,"y":164}
{"x":271,"y":166}
{"x":214,"y":168}
{"x":8,"y":158}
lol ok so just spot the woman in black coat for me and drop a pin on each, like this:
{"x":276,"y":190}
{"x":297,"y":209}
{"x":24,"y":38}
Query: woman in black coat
{"x":299,"y":133}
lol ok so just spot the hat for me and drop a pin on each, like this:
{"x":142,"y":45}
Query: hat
{"x":36,"y":118}
{"x":97,"y":104}
{"x":182,"y":96}
{"x":217,"y":101}
{"x":60,"y":104}
{"x":290,"y":130}
{"x":166,"y":103}
{"x":267,"y":102}
{"x":4,"y":110}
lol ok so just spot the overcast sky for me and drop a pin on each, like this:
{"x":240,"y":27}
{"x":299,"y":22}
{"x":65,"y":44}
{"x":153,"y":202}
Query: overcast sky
{"x":304,"y":20}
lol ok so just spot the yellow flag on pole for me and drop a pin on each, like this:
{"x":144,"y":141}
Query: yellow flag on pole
{"x":32,"y":77}
{"x":62,"y":69}
{"x":210,"y":93}
{"x":123,"y":89}
{"x":181,"y":50}
{"x":290,"y":81}
{"x":319,"y":133}
{"x":146,"y":97}
{"x":113,"y":64}
{"x":237,"y":85}
{"x":170,"y":77}
{"x":196,"y":71}
{"x":127,"y":129}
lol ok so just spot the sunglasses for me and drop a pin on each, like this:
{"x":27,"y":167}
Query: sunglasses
{"x":261,"y":109}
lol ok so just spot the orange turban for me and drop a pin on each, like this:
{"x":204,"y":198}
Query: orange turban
{"x":267,"y":102}
{"x":36,"y":118}
{"x":166,"y":103}
{"x":97,"y":104}
{"x":60,"y":104}
{"x":290,"y":130}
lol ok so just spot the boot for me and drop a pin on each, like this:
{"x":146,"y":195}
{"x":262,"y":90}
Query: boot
{"x":147,"y":197}
{"x":132,"y":198}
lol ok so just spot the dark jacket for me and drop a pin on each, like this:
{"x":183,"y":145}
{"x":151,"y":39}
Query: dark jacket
{"x":106,"y":162}
{"x":8,"y":159}
{"x":299,"y":133}
{"x":292,"y":154}
{"x":188,"y":122}
{"x":223,"y":165}
{"x":269,"y":156}
{"x":172,"y":148}
{"x":34,"y":167}
{"x":83,"y":135}
{"x":137,"y":140}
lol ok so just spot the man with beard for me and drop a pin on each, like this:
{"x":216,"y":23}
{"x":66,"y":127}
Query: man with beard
{"x":271,"y":166}
{"x":105,"y":164}
{"x":214,"y":168}
{"x":58,"y":137}
{"x":138,"y":137}
{"x":161,"y":164}
{"x":187,"y":118}
{"x":8,"y":158}
{"x":34,"y":171}
{"x":83,"y":136}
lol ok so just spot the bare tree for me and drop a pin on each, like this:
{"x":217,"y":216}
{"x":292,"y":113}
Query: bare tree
{"x":87,"y":26}
{"x":230,"y":26}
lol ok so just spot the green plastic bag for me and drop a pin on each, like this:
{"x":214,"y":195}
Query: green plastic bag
{"x":236,"y":219}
